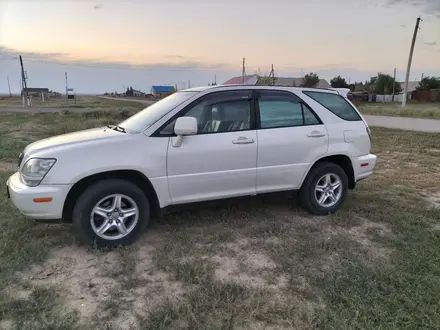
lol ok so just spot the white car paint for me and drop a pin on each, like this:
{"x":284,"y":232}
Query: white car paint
{"x":203,"y":167}
{"x":278,"y":170}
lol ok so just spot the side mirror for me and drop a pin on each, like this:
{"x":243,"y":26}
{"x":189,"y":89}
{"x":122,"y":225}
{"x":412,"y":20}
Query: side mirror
{"x":184,"y":126}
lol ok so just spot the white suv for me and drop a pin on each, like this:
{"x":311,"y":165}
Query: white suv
{"x":196,"y":145}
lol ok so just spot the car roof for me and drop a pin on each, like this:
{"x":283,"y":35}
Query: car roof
{"x":239,"y":86}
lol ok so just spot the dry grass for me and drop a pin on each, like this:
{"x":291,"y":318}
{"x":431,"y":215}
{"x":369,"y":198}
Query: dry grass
{"x":413,"y":109}
{"x":81,"y":102}
{"x":251,"y":263}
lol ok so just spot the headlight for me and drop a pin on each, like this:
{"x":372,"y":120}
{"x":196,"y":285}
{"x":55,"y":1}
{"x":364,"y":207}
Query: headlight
{"x":35,"y":169}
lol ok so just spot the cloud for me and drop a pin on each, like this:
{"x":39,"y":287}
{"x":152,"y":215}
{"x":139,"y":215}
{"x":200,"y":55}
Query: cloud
{"x":429,"y":7}
{"x":181,"y":57}
{"x":185,"y":63}
{"x":99,"y":75}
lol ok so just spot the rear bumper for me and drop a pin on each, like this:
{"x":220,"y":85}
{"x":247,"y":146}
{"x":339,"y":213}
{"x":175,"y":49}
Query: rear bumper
{"x":23,"y":196}
{"x":363,"y":166}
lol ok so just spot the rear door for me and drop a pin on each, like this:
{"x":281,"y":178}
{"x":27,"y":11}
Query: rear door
{"x":347,"y":129}
{"x":290,"y":137}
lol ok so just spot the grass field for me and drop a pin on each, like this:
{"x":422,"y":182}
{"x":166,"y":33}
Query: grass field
{"x":82,"y":103}
{"x":413,"y":109}
{"x":253,"y":263}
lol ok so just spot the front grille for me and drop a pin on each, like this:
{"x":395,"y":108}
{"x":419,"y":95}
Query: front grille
{"x":20,"y":158}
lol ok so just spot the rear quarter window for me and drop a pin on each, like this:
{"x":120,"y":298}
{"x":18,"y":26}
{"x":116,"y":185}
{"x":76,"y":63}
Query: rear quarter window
{"x":336,"y":104}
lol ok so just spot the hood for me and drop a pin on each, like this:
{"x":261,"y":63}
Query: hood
{"x":90,"y":135}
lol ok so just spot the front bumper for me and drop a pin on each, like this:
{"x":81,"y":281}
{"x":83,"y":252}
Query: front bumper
{"x":363,"y":166}
{"x":23,"y":196}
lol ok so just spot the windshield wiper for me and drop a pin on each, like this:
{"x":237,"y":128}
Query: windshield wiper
{"x":117,"y":128}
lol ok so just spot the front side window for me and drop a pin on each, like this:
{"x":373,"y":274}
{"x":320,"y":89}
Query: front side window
{"x":336,"y":104}
{"x":218,"y":113}
{"x":281,"y":110}
{"x":147,"y":117}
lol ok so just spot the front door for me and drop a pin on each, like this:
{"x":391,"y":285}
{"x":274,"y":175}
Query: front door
{"x":220,"y":161}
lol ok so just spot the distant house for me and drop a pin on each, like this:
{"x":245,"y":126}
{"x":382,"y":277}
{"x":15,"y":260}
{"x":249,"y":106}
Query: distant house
{"x":297,"y":82}
{"x":248,"y":80}
{"x":32,"y":91}
{"x":280,"y":81}
{"x":412,"y":85}
{"x":138,"y":93}
{"x":162,"y":91}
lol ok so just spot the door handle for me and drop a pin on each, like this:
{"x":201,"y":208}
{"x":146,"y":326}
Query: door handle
{"x":315,"y":134}
{"x":243,"y":140}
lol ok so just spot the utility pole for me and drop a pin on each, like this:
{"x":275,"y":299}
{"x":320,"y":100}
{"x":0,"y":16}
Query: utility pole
{"x":394,"y":84}
{"x":243,"y":73}
{"x":23,"y":80}
{"x":422,"y":76}
{"x":408,"y":68}
{"x":272,"y":75}
{"x":67,"y":97}
{"x":9,"y":86}
{"x":189,"y":83}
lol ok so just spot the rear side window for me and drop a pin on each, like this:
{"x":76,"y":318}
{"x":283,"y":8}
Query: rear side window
{"x":279,"y":109}
{"x":336,"y":104}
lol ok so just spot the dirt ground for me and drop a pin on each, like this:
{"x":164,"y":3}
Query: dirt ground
{"x":122,"y":287}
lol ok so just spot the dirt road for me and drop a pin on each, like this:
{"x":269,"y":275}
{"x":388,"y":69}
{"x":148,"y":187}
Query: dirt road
{"x":143,"y":101}
{"x":412,"y":124}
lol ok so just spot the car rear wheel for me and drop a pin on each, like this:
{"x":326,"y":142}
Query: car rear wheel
{"x":110,"y":213}
{"x":324,"y":189}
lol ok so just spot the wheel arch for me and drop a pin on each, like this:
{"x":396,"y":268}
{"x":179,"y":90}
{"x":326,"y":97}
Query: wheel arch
{"x":133,"y":176}
{"x":342,"y":160}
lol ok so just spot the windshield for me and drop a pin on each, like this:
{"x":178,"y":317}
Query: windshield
{"x":147,"y":117}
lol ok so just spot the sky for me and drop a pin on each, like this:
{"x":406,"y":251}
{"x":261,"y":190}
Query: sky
{"x":106,"y":45}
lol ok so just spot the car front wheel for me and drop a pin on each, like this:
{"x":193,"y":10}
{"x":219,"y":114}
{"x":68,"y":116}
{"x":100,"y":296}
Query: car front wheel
{"x":110,"y":213}
{"x":325,"y":189}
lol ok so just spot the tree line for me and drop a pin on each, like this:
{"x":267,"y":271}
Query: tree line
{"x":380,"y":84}
{"x":383,"y":84}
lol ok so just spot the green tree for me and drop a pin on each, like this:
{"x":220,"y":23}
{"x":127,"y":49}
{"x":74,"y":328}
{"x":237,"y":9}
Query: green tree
{"x":310,"y":80}
{"x":428,"y":83}
{"x":383,"y":84}
{"x":265,"y":79}
{"x":338,"y":82}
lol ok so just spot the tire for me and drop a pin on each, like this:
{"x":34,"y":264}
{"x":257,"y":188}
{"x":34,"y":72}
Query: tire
{"x":132,"y":198}
{"x":309,"y":197}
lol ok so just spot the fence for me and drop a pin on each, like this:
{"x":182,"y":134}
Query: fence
{"x":432,"y":95}
{"x":389,"y":98}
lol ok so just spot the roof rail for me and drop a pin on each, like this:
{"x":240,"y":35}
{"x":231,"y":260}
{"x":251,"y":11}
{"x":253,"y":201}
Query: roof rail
{"x":342,"y":91}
